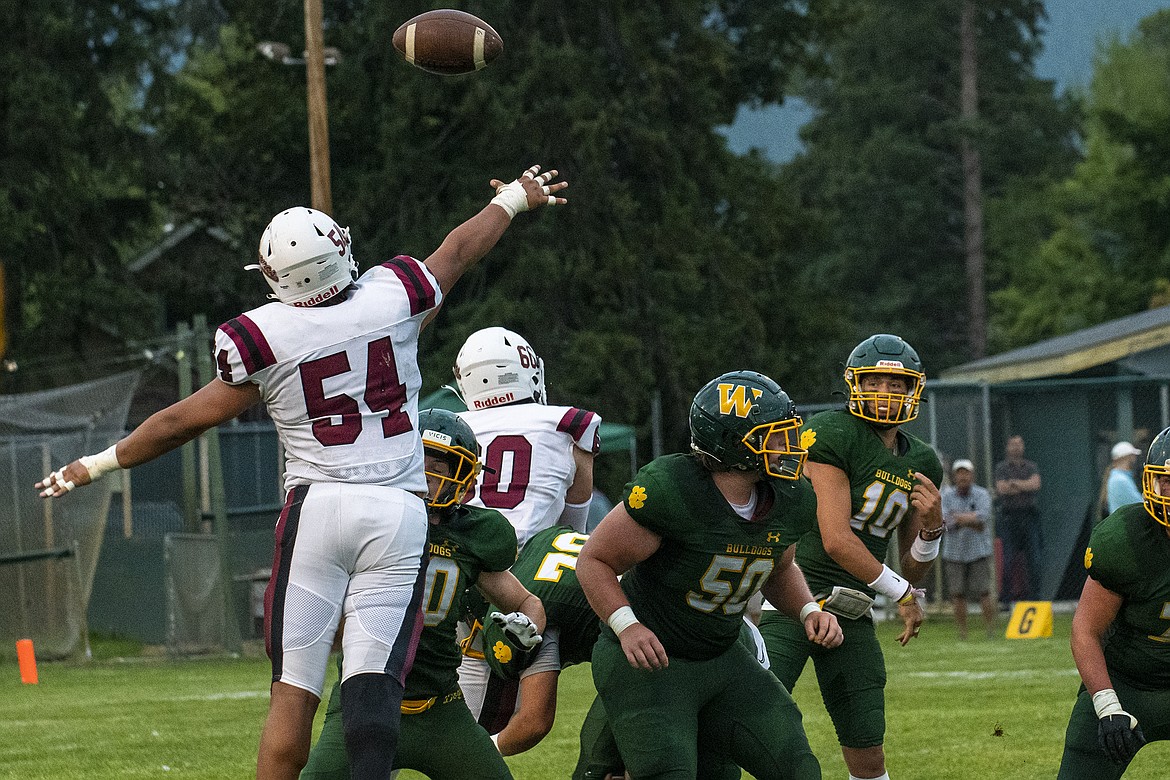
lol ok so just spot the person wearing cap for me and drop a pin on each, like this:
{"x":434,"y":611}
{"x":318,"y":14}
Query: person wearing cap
{"x":1121,"y":488}
{"x":966,"y":552}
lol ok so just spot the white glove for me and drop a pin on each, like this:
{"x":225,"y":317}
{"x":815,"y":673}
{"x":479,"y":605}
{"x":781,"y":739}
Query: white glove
{"x":519,"y":628}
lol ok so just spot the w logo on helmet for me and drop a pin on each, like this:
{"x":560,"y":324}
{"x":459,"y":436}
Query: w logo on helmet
{"x":733,"y":399}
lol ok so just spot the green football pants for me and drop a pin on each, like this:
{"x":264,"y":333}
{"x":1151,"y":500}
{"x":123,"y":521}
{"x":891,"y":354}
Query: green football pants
{"x":444,"y":743}
{"x":742,"y":711}
{"x":1083,"y":757}
{"x":851,"y":676}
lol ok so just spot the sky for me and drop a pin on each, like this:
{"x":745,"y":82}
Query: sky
{"x":1070,"y":40}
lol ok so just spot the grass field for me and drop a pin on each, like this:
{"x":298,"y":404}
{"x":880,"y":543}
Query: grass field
{"x":135,"y":717}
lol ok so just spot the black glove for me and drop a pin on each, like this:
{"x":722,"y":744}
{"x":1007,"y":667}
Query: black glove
{"x":1120,"y":742}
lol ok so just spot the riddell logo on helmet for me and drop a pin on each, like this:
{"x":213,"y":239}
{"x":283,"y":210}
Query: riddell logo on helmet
{"x":890,"y":364}
{"x":318,"y":298}
{"x":494,"y":400}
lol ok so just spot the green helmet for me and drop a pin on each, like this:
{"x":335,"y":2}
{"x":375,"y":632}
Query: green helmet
{"x":1157,"y":465}
{"x":447,"y":437}
{"x":889,"y":355}
{"x":733,"y":419}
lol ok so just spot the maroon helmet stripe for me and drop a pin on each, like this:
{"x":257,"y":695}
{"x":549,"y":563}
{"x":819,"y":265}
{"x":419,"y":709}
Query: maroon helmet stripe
{"x":575,"y":422}
{"x":250,"y":341}
{"x":419,"y":289}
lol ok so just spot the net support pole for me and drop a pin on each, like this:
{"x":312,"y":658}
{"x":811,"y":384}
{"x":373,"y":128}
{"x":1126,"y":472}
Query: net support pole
{"x":187,"y":452}
{"x":215,"y":487}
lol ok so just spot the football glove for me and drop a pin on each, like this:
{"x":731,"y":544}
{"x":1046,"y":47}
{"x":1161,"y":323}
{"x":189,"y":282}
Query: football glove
{"x":1120,"y":737}
{"x":518,"y":627}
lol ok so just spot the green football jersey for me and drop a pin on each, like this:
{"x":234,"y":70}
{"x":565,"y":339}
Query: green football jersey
{"x":469,"y":540}
{"x":879,"y":489}
{"x":548,"y":568}
{"x":692,"y":591}
{"x":1129,"y":553}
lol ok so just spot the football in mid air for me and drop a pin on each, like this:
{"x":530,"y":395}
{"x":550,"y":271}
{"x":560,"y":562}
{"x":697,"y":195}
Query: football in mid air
{"x":448,"y":42}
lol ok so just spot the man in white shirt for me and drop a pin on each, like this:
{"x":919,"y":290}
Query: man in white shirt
{"x":1122,"y":489}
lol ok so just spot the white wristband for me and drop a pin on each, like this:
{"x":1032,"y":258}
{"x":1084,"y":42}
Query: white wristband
{"x":621,"y":619}
{"x":512,"y":198}
{"x":890,"y":584}
{"x":808,"y":609}
{"x":1105,"y":703}
{"x":102,"y":463}
{"x":924,"y":551}
{"x":496,"y":740}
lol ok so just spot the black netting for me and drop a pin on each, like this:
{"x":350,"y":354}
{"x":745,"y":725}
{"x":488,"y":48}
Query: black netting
{"x":40,"y":432}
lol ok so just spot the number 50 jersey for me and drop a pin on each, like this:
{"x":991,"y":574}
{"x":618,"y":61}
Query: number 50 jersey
{"x":528,"y":460}
{"x":341,"y":381}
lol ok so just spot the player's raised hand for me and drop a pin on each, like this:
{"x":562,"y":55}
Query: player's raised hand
{"x":927,"y":502}
{"x":642,"y":648}
{"x":531,"y":190}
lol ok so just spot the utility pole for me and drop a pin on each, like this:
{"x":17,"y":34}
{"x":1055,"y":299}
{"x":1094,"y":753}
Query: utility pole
{"x":318,"y":107}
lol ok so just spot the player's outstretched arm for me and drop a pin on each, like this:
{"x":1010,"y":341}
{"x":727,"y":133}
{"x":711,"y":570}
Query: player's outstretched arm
{"x":213,"y":404}
{"x":467,"y":243}
{"x":613,"y":548}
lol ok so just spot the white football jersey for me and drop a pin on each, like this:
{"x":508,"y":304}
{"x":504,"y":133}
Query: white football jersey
{"x":341,"y":382}
{"x":529,"y":447}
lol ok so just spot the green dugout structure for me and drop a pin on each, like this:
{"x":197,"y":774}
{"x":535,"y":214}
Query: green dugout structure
{"x":1071,"y":398}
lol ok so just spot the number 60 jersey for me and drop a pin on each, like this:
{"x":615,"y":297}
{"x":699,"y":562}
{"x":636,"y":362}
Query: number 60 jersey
{"x":528,"y":460}
{"x":341,"y":381}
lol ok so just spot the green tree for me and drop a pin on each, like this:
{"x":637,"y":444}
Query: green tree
{"x":883,"y":167}
{"x":675,"y":261}
{"x":1098,"y":243}
{"x":75,"y":175}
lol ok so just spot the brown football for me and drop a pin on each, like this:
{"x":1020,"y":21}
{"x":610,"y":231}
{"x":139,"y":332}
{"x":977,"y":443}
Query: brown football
{"x":446,"y":41}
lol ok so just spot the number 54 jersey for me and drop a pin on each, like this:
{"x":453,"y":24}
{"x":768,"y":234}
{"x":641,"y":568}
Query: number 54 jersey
{"x":341,"y":381}
{"x":528,"y":460}
{"x":880,"y":482}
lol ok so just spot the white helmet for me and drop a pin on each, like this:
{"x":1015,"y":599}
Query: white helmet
{"x":496,"y":366}
{"x":305,"y":257}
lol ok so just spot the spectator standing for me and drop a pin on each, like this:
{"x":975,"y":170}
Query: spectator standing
{"x":1121,"y":488}
{"x":966,"y":552}
{"x":1017,"y":482}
